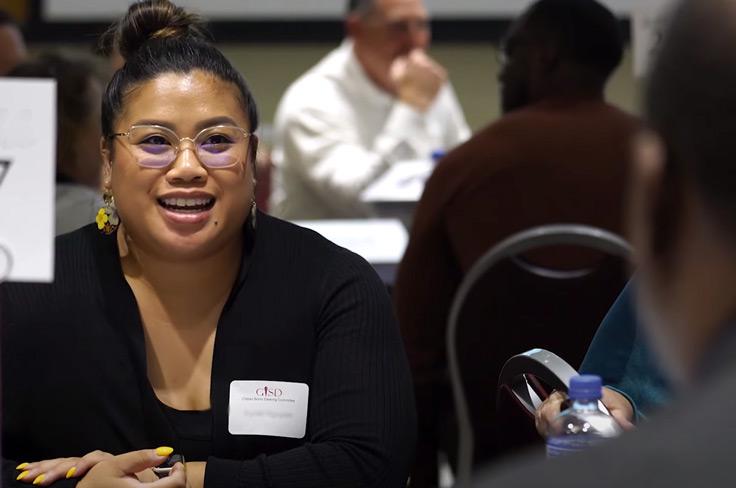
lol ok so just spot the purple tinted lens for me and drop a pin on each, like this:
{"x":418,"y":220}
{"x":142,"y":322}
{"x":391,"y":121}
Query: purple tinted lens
{"x":155,"y":149}
{"x":215,"y":160}
{"x":153,"y":156}
{"x":215,"y":148}
{"x":154,"y":161}
{"x":220,"y":147}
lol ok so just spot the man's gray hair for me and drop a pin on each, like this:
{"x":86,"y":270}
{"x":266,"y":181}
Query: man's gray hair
{"x":359,"y":6}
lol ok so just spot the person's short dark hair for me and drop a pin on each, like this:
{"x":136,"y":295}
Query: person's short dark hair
{"x":156,"y":37}
{"x":691,"y":102}
{"x":73,"y":79}
{"x":6,"y":18}
{"x":75,"y":104}
{"x":587,"y":32}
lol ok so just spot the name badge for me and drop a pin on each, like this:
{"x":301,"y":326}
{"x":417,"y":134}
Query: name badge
{"x":272,"y":408}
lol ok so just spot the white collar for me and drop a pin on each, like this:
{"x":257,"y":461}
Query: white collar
{"x":358,"y":77}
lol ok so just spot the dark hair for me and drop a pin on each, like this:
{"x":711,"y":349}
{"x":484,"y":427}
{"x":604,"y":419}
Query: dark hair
{"x":690,"y":101}
{"x":6,"y":18}
{"x":586,"y":31}
{"x":74,"y":100}
{"x":156,"y":37}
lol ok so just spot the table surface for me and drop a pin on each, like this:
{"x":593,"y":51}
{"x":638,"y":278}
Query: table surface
{"x":381,"y":242}
{"x":403,"y":182}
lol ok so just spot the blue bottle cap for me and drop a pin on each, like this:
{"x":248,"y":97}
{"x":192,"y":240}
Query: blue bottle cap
{"x":585,"y":387}
{"x":438,"y":154}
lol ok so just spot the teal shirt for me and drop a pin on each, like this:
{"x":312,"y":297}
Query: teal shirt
{"x":620,"y":354}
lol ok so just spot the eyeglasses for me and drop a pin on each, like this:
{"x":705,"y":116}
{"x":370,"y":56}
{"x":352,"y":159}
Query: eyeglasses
{"x":154,"y":146}
{"x":405,"y":27}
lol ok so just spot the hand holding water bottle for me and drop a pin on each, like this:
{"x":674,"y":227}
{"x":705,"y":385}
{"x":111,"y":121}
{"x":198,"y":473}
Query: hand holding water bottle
{"x":584,"y":424}
{"x":617,"y":404}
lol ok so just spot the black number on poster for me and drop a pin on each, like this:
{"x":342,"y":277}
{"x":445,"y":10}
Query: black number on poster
{"x":4,"y":168}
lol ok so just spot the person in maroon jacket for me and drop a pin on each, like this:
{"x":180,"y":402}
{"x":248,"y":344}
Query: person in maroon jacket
{"x":682,"y":221}
{"x":559,"y":154}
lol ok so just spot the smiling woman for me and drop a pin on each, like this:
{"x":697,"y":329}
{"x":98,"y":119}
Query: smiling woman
{"x":262,"y":353}
{"x":162,"y":176}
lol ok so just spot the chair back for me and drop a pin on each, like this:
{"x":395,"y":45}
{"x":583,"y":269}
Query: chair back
{"x":507,"y":304}
{"x":521,"y":375}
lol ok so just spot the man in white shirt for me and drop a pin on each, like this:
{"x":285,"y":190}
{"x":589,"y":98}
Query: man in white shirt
{"x":376,"y":99}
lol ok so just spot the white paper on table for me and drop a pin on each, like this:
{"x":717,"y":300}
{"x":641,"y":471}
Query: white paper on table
{"x":649,"y":19}
{"x":378,"y":241}
{"x":403,"y":182}
{"x":28,"y":146}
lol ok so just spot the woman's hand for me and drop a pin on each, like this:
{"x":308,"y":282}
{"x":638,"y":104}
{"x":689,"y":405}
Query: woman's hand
{"x":120,"y":471}
{"x":46,"y":472}
{"x":618,"y":405}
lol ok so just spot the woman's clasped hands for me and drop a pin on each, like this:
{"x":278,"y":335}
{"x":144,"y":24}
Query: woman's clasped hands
{"x":102,"y":469}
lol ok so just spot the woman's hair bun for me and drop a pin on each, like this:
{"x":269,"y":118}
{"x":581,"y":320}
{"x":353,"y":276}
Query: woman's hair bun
{"x":150,"y":19}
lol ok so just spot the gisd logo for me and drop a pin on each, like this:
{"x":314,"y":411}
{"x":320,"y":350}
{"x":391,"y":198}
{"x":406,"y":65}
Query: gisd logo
{"x":268,"y":392}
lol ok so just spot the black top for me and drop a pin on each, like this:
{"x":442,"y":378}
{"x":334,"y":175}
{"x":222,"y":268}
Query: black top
{"x":193,"y":431}
{"x":303,"y":310}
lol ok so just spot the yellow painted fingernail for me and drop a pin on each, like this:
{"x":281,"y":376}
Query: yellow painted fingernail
{"x":21,"y":466}
{"x":164,"y":451}
{"x":71,"y":472}
{"x":39,"y":479}
{"x":22,"y":475}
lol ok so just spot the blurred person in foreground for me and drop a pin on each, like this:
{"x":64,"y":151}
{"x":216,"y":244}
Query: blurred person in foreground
{"x":186,"y":319}
{"x":12,"y":45}
{"x":682,"y":215}
{"x":377,"y":99}
{"x":78,"y":161}
{"x":559,"y":154}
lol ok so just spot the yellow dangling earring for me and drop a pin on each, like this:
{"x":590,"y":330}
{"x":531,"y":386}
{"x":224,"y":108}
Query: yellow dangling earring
{"x":107,"y":217}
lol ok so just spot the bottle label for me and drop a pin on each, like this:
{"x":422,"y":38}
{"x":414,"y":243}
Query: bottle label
{"x":563,"y":445}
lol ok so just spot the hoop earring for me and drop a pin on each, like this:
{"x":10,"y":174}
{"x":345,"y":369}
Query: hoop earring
{"x":107,"y":217}
{"x":253,"y":212}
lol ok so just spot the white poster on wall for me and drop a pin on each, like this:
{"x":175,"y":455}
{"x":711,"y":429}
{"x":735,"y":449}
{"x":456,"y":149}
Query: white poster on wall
{"x":649,"y":20}
{"x":27,"y":169}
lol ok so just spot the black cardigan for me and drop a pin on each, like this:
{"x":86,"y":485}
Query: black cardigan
{"x":303,"y":310}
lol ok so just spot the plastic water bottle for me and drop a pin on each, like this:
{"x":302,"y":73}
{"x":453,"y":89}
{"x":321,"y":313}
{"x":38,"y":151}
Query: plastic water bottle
{"x":584,"y":424}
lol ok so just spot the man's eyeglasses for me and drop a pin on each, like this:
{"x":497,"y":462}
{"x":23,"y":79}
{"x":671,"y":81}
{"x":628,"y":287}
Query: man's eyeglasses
{"x":154,"y":146}
{"x":406,"y":27}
